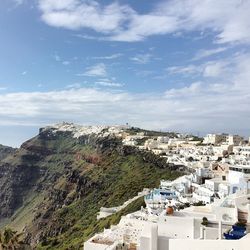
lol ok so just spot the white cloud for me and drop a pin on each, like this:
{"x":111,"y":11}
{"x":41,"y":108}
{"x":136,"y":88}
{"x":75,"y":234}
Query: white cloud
{"x":228,"y":19}
{"x":194,"y":89}
{"x":186,"y":70}
{"x":75,"y":14}
{"x":114,"y":56}
{"x":73,"y":86}
{"x":201,"y":54}
{"x":141,"y":58}
{"x":88,"y":37}
{"x":24,"y":73}
{"x":96,"y":70}
{"x":214,"y":69}
{"x":142,"y":26}
{"x":66,"y":63}
{"x":57,"y":58}
{"x":108,"y":83}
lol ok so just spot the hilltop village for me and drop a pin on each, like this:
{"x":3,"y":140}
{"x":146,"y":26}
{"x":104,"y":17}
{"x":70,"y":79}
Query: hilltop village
{"x":206,"y":209}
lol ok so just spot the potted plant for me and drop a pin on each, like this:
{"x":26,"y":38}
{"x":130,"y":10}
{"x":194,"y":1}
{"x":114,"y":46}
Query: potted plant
{"x":204,"y":221}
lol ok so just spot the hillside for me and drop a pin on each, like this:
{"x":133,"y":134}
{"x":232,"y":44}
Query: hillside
{"x":54,"y":185}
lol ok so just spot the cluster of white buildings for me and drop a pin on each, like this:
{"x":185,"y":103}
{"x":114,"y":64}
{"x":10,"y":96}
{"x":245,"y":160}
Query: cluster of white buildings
{"x":207,"y":209}
{"x":187,"y":151}
{"x":80,"y":130}
{"x":163,"y":225}
{"x":223,"y":138}
{"x":193,"y":228}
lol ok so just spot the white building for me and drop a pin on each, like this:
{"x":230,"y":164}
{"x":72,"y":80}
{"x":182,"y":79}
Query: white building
{"x":151,"y":144}
{"x":234,"y":140}
{"x":242,"y":150}
{"x":239,"y":178}
{"x":163,"y":139}
{"x":215,"y":138}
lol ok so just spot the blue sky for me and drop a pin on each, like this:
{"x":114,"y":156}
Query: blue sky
{"x":180,"y":65}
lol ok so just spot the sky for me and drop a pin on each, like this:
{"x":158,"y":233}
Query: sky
{"x":172,"y":65}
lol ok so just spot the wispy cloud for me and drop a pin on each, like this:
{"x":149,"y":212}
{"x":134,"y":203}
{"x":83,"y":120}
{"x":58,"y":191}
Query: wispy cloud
{"x":87,"y":37}
{"x":201,"y":54}
{"x":217,"y":68}
{"x":120,"y":22}
{"x":24,"y":73}
{"x":73,"y":86}
{"x":61,"y":60}
{"x":114,"y":56}
{"x":141,"y":58}
{"x":66,"y":63}
{"x":98,"y":70}
{"x":185,"y":70}
{"x":108,"y":83}
{"x":57,"y":58}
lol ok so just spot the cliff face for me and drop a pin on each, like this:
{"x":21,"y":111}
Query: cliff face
{"x":53,"y":186}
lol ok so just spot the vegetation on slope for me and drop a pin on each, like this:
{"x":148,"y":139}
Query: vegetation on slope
{"x":10,"y":239}
{"x":135,"y":130}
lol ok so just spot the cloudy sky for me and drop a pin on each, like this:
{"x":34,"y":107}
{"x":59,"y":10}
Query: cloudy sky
{"x":181,"y":65}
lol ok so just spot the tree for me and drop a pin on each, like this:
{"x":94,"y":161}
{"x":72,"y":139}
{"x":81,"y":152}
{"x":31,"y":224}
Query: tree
{"x":11,"y":240}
